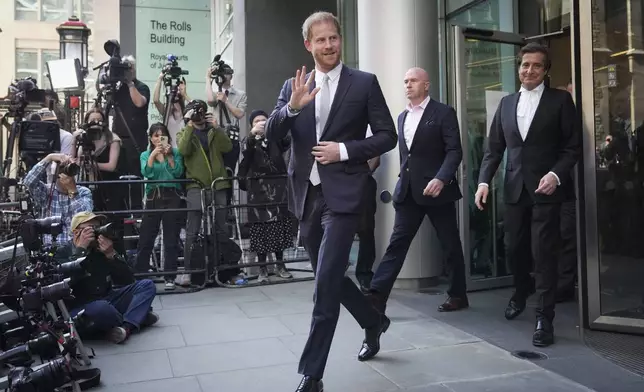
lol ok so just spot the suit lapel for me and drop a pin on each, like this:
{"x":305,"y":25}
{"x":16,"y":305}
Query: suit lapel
{"x":511,"y":113}
{"x":401,"y":133}
{"x":539,"y":114}
{"x":425,"y":119}
{"x":343,"y":86}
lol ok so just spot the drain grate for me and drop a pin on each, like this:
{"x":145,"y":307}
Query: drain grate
{"x":530,"y":355}
{"x":624,"y":350}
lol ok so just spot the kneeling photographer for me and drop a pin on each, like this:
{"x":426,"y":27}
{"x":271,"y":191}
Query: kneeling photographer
{"x":60,"y":198}
{"x":114,"y":302}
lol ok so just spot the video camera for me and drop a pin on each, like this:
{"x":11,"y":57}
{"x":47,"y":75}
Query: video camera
{"x":219,"y":69}
{"x":113,"y":70}
{"x":172,"y":71}
{"x":31,"y":231}
{"x":23,"y":92}
{"x":196,"y":111}
{"x":92,"y":132}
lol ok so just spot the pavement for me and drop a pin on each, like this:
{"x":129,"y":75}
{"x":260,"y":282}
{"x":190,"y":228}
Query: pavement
{"x":249,"y":339}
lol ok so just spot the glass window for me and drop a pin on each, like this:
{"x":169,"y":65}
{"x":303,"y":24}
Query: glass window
{"x":619,"y":163}
{"x":27,"y":63}
{"x":26,"y":9}
{"x":54,"y":10}
{"x":47,"y":55}
{"x":489,"y":15}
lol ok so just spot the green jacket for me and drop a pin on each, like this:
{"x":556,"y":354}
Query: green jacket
{"x":200,"y":167}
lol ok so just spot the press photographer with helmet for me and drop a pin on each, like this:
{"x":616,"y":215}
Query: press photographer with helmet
{"x":202,"y":144}
{"x":104,"y":287}
{"x":61,"y":198}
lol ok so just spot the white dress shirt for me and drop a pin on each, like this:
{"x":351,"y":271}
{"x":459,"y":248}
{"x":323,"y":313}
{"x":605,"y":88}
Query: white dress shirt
{"x":526,"y":109}
{"x":415,"y":113}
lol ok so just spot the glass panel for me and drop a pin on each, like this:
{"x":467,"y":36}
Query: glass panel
{"x":54,"y":10}
{"x":47,"y":55}
{"x":489,"y":15}
{"x":26,"y":63}
{"x":87,"y":11}
{"x":544,"y":16}
{"x":619,"y":136}
{"x":490,"y":75}
{"x":26,"y":9}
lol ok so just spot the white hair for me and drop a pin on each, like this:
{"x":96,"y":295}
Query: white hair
{"x":129,"y":59}
{"x":318,"y":17}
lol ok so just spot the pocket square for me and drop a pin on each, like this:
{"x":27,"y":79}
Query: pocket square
{"x":429,"y":122}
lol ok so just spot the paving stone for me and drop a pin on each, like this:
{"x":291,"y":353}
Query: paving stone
{"x":276,"y":308}
{"x":427,"y":334}
{"x":219,"y":330}
{"x":133,"y":367}
{"x":191,"y":315}
{"x":153,"y":338}
{"x":218,"y":296}
{"x":451,"y":363}
{"x":184,"y":384}
{"x":537,"y":381}
{"x":224,"y":357}
{"x":340,"y":375}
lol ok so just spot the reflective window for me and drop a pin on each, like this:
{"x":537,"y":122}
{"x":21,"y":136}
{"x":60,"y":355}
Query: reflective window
{"x":619,"y":163}
{"x":27,"y":64}
{"x":53,"y":10}
{"x":47,"y":55}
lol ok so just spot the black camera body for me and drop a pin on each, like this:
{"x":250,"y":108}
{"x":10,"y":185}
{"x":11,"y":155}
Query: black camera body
{"x":31,"y":231}
{"x":172,"y":70}
{"x":23,"y":92}
{"x":69,"y":168}
{"x":199,"y":110}
{"x":219,"y":69}
{"x":48,"y":378}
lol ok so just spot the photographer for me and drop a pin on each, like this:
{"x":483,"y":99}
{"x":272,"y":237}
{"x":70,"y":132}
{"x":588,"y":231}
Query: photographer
{"x":113,"y":301}
{"x":132,"y":97}
{"x":229,"y":106}
{"x":161,"y":162}
{"x":175,"y":121}
{"x":202,"y":144}
{"x":62,"y":198}
{"x":99,"y":153}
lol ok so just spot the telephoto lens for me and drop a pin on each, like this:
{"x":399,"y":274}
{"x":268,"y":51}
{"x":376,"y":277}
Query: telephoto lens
{"x":70,"y":168}
{"x":56,"y":291}
{"x":53,"y":375}
{"x":71,"y":267}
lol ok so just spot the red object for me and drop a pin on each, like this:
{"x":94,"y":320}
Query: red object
{"x":74,"y":102}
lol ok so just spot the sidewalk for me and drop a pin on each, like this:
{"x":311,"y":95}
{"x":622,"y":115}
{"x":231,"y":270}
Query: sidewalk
{"x":250,"y":339}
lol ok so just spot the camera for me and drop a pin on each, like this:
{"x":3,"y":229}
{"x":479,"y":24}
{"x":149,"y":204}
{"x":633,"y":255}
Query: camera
{"x":23,"y":92}
{"x":172,"y":70}
{"x":32,"y":229}
{"x":53,"y":375}
{"x":196,"y":111}
{"x":45,"y":345}
{"x":69,"y":168}
{"x":33,"y":300}
{"x":219,"y":69}
{"x":108,"y":231}
{"x":113,"y":70}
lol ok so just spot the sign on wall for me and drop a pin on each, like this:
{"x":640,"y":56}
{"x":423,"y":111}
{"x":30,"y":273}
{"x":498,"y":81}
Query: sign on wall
{"x":183,"y":29}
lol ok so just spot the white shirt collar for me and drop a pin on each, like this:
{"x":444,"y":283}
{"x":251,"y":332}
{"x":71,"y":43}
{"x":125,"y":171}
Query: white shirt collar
{"x":422,"y":105}
{"x":539,"y":89}
{"x":333,"y":74}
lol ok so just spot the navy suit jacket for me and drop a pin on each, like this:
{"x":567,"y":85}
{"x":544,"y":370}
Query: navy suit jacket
{"x":435,"y":153}
{"x":358,"y":101}
{"x":553,"y":143}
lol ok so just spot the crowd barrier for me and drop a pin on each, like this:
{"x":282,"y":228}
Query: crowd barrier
{"x":133,"y":217}
{"x":253,"y":214}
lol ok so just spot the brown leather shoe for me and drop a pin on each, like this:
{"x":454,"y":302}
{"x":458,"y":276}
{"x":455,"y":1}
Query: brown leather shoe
{"x":453,"y":304}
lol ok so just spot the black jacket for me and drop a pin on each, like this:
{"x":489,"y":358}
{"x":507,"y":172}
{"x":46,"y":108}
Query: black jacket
{"x":98,"y":277}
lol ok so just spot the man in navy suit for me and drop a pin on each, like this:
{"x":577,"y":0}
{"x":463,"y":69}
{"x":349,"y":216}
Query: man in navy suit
{"x":327,"y":113}
{"x":430,"y":152}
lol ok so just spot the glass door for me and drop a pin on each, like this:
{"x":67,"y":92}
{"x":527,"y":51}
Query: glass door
{"x":485,"y":70}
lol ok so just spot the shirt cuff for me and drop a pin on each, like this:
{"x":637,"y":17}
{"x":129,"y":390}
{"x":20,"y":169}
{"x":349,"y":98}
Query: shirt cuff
{"x":556,"y":176}
{"x":344,"y":155}
{"x":484,"y":184}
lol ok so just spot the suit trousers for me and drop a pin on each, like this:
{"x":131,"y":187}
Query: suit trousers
{"x":366,"y":234}
{"x":533,"y":233}
{"x":327,"y":237}
{"x":409,"y":217}
{"x":568,"y":257}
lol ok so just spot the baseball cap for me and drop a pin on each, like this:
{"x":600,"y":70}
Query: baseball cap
{"x":86,"y":216}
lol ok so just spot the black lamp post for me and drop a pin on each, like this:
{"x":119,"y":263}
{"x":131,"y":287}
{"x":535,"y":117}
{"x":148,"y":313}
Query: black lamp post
{"x":74,"y":37}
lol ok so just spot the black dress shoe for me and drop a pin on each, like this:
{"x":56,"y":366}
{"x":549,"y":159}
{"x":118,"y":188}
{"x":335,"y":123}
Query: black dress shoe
{"x":371,"y":343}
{"x":515,"y":308}
{"x":454,"y":303}
{"x":309,"y":384}
{"x":544,"y":334}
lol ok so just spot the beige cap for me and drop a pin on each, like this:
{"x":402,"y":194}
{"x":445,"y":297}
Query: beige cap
{"x":85,"y":216}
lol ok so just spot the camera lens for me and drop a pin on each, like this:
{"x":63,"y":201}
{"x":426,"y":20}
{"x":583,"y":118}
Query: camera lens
{"x":56,"y":291}
{"x":108,"y":230}
{"x":71,"y":169}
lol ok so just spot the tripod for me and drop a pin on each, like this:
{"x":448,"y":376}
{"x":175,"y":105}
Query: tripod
{"x":88,"y":168}
{"x":5,"y":181}
{"x":106,"y":101}
{"x":172,"y":90}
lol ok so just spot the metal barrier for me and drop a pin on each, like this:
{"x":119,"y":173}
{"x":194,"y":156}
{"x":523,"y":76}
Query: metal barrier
{"x":203,"y":237}
{"x":242,"y":220}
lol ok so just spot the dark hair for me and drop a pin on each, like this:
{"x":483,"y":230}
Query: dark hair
{"x":158,"y":127}
{"x":534,"y":47}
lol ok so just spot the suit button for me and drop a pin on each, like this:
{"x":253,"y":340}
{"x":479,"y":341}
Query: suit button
{"x":407,"y":169}
{"x":409,"y":156}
